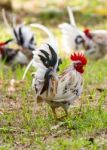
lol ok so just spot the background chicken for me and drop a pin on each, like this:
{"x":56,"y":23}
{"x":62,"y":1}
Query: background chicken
{"x":57,"y":90}
{"x":93,"y":42}
{"x":12,"y":56}
{"x":96,"y":43}
{"x":72,"y":37}
{"x":23,"y":37}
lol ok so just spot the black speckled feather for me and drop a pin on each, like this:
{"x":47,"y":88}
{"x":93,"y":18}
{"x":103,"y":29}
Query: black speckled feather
{"x":21,"y":39}
{"x":49,"y":63}
{"x":47,"y":79}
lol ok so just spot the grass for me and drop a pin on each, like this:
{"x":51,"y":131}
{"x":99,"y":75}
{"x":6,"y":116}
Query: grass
{"x":84,"y":128}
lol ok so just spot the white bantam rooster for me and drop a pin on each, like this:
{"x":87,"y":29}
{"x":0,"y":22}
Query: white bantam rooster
{"x":56,"y":90}
{"x":72,"y":38}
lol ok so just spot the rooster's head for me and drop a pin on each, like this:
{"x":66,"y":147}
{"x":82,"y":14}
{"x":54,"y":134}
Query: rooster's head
{"x":87,"y":33}
{"x":79,"y":60}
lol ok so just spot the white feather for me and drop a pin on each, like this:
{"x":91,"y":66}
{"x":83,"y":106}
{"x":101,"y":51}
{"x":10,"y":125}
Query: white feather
{"x":51,"y":39}
{"x":21,"y":58}
{"x":36,"y":62}
{"x":5,"y":20}
{"x":27,"y":68}
{"x":26,"y":33}
{"x":99,"y":31}
{"x":71,"y":16}
{"x":69,"y":96}
{"x":69,"y":34}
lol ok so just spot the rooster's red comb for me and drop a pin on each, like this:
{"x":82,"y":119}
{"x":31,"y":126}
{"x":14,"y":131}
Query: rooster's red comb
{"x":87,"y":33}
{"x":79,"y":57}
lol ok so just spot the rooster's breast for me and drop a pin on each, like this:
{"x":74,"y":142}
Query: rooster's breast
{"x":69,"y":87}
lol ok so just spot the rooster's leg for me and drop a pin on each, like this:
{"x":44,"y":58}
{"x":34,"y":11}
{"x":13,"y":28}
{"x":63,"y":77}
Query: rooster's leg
{"x":54,"y":112}
{"x":66,"y":112}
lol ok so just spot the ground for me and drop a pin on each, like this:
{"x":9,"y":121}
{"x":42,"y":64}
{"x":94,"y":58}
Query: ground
{"x":85,"y":127}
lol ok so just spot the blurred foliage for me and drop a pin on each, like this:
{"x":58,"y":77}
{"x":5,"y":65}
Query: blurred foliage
{"x":94,"y":6}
